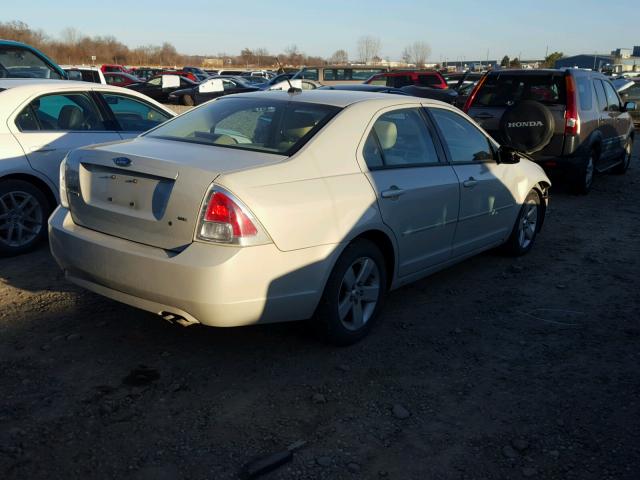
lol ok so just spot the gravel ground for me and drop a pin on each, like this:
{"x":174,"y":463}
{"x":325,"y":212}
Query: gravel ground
{"x":494,"y":369}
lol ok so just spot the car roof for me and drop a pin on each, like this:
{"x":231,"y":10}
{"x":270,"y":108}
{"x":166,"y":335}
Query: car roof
{"x":337,"y":98}
{"x":26,"y":87}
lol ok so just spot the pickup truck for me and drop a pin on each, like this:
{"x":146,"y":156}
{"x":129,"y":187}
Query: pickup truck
{"x":19,"y":60}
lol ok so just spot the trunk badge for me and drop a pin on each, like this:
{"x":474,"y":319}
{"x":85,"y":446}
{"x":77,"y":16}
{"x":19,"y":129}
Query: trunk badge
{"x":122,"y":161}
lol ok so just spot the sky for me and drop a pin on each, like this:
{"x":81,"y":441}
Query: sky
{"x":454,"y":29}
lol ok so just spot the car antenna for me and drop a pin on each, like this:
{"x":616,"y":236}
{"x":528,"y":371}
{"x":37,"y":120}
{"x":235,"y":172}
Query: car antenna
{"x":292,"y":89}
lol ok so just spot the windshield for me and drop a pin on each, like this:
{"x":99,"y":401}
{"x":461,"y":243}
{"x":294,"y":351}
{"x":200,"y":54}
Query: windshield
{"x":273,"y":126}
{"x":503,"y":90}
{"x":19,"y":62}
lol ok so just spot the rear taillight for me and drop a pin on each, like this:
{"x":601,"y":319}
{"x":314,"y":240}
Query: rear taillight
{"x":224,"y":219}
{"x":474,"y":93}
{"x":571,"y":117}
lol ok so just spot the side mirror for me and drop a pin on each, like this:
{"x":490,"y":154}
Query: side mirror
{"x":630,"y":106}
{"x":170,"y":81}
{"x":74,"y":75}
{"x":508,"y":155}
{"x":210,"y":86}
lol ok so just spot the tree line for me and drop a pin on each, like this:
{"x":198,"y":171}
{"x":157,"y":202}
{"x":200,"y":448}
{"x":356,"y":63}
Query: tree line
{"x":74,"y":47}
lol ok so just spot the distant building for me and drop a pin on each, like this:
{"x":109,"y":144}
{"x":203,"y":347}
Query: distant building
{"x":622,"y":53}
{"x":636,"y":51}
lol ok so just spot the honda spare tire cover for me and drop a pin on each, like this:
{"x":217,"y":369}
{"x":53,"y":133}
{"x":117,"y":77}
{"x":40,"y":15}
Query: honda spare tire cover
{"x":527,"y":126}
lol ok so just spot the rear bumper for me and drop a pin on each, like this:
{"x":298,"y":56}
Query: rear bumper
{"x":222,"y":286}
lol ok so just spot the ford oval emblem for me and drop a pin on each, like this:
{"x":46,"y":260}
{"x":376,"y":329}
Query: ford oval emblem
{"x":122,"y":161}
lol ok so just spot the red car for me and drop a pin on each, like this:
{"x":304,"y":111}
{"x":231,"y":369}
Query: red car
{"x":113,"y":68}
{"x":402,"y":78}
{"x":119,"y":79}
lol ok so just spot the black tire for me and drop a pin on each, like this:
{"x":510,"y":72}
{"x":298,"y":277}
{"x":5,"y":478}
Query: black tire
{"x":342,"y":330}
{"x":625,"y":160}
{"x":188,"y":101}
{"x":527,"y":126}
{"x":30,"y":220}
{"x":520,"y":242}
{"x":582,"y":177}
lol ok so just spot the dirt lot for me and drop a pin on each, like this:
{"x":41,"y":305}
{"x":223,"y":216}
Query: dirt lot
{"x":494,"y":369}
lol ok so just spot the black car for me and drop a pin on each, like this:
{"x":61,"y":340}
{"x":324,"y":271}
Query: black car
{"x":362,"y":87}
{"x":198,"y":93}
{"x":153,"y":88}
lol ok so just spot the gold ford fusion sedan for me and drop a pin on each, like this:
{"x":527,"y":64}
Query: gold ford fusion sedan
{"x":277,"y":206}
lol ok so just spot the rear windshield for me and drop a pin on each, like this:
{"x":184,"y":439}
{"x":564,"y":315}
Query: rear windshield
{"x":17,"y":62}
{"x":506,"y":89}
{"x":273,"y":126}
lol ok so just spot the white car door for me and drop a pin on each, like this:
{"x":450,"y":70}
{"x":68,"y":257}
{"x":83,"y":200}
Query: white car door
{"x":53,"y":124}
{"x":416,"y":190}
{"x":487,"y":205}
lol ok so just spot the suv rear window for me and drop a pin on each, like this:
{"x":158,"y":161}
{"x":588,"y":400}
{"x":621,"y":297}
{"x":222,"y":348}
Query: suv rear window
{"x":506,"y":89}
{"x":272,"y":126}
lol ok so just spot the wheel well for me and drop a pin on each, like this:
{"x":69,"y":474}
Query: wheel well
{"x":36,"y":182}
{"x":383,"y":242}
{"x":543,"y":190}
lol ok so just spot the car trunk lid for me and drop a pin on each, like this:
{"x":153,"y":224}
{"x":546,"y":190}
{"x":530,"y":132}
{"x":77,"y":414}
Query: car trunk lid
{"x":149,"y":190}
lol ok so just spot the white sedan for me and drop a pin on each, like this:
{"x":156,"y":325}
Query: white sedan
{"x":276,"y":206}
{"x":40,"y":122}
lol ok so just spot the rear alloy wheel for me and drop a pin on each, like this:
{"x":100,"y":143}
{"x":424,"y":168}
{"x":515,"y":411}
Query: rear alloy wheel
{"x":23,"y":217}
{"x":353,"y":295}
{"x":583,"y":179}
{"x":625,"y":161}
{"x":527,"y":225}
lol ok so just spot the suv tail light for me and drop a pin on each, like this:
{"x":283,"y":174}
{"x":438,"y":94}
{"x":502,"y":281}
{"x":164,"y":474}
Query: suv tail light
{"x":225,"y":219}
{"x":474,"y":93}
{"x":572,"y":119}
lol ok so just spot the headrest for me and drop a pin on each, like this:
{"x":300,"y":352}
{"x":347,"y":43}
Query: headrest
{"x":71,"y":118}
{"x":387,"y":133}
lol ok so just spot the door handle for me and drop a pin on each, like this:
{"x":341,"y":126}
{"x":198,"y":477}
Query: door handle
{"x":483,"y":116}
{"x":393,"y":192}
{"x":470,"y":182}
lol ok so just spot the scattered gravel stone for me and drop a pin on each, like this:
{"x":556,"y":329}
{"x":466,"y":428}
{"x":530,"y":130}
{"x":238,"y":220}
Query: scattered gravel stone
{"x":400,"y":412}
{"x":318,"y":398}
{"x":46,"y":347}
{"x":529,"y":471}
{"x":509,"y":452}
{"x":520,"y":444}
{"x":323,"y":461}
{"x":353,"y":467}
{"x":74,"y":336}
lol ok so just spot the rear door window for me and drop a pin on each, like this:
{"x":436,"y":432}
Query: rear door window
{"x":506,"y":89}
{"x":399,"y":81}
{"x":602,"y":97}
{"x":62,"y":112}
{"x":583,"y":84}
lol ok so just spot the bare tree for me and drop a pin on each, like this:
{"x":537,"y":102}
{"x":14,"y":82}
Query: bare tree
{"x":368,"y":48}
{"x":406,"y":55}
{"x":340,"y":57}
{"x":260,"y":55}
{"x":70,"y":36}
{"x":418,"y":53}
